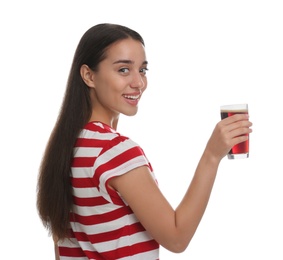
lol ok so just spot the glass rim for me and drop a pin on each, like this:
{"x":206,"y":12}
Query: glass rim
{"x":234,"y":107}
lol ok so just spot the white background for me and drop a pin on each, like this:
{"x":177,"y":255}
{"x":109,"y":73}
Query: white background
{"x":202,"y":54}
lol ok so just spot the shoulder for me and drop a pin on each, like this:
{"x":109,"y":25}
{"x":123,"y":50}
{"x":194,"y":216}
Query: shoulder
{"x":106,"y":140}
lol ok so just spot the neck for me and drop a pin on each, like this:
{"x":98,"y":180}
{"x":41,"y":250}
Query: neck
{"x":112,"y":122}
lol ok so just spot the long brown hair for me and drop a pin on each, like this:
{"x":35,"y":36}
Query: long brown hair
{"x":54,"y":191}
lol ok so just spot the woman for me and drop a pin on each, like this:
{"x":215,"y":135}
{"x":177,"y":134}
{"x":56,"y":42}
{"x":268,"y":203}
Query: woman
{"x":97,"y":193}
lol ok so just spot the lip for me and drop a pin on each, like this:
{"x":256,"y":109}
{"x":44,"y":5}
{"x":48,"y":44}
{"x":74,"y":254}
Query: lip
{"x":133,"y":95}
{"x":132,"y":98}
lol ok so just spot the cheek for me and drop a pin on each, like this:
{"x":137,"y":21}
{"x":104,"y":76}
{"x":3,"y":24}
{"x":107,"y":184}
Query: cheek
{"x":145,"y":84}
{"x":109,"y":93}
{"x":110,"y":85}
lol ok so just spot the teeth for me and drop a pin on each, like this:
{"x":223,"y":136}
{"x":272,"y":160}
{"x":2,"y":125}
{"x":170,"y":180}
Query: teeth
{"x":131,"y":97}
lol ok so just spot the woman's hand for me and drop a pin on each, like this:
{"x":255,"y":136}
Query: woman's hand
{"x":227,"y":133}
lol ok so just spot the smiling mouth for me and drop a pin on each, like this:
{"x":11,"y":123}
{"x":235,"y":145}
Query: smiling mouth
{"x":132,"y":97}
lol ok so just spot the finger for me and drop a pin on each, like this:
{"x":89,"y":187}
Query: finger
{"x":239,"y":139}
{"x":240,"y":132}
{"x":235,"y":118}
{"x":242,"y":124}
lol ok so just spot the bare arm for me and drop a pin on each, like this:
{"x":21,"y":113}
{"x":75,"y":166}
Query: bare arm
{"x":174,"y":229}
{"x":56,"y":249}
{"x":56,"y":252}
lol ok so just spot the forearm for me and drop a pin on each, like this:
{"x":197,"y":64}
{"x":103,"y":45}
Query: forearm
{"x":191,"y":209}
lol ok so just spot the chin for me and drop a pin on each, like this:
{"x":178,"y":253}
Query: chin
{"x":130,"y":113}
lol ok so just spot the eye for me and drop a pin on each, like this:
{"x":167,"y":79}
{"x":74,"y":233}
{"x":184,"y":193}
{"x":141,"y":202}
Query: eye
{"x":124,"y":70}
{"x":144,"y":70}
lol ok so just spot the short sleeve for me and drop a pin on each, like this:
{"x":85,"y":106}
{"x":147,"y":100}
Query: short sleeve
{"x":120,"y":156}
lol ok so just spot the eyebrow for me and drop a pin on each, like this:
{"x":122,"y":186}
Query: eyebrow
{"x":128,"y":62}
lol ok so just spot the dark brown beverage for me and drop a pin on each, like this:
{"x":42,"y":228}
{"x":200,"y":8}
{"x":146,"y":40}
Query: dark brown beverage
{"x":241,"y":148}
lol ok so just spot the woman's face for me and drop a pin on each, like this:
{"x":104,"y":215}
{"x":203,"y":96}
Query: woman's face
{"x":120,"y":79}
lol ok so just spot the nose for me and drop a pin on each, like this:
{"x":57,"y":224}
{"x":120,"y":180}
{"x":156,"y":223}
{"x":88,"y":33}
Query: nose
{"x":138,"y":81}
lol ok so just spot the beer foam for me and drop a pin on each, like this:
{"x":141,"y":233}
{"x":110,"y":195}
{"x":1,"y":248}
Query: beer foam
{"x":234,"y":108}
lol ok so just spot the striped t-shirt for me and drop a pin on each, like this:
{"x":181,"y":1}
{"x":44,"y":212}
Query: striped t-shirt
{"x":103,"y":226}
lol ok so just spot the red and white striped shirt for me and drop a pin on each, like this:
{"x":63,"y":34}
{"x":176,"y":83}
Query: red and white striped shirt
{"x":103,"y":226}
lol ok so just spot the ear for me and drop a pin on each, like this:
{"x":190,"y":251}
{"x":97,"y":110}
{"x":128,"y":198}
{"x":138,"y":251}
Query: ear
{"x":87,"y":75}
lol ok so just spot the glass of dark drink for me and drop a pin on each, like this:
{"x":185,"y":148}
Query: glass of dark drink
{"x":240,"y":150}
